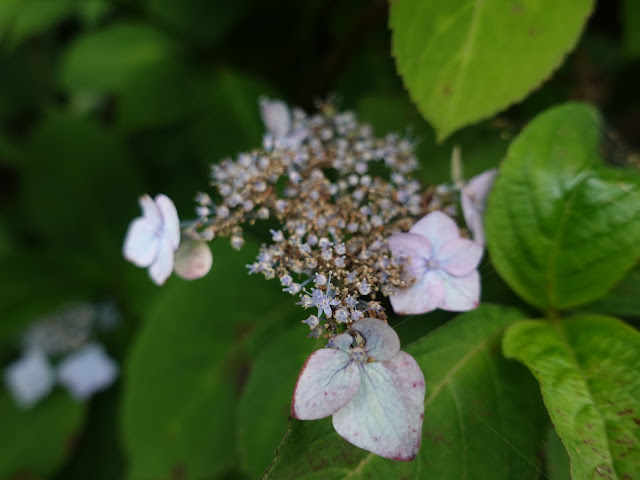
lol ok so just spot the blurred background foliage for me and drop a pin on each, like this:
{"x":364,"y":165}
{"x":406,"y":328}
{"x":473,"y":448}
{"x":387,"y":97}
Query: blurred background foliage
{"x":103,"y":100}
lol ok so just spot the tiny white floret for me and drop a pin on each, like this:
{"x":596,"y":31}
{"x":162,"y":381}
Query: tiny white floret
{"x":87,"y":371}
{"x":153,"y":238}
{"x":30,"y":378}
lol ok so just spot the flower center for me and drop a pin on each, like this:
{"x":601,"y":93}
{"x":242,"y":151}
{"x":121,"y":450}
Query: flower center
{"x":359,"y":355}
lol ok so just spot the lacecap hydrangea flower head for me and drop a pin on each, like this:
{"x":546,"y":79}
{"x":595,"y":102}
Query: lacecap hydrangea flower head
{"x":354,"y":234}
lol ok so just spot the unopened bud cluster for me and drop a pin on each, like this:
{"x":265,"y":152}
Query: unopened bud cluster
{"x":337,"y":193}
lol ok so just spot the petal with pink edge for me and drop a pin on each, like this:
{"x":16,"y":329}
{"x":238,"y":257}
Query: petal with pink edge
{"x":422,"y":297}
{"x":459,"y":257}
{"x":460,"y":293}
{"x":170,"y":219}
{"x":437,"y":227}
{"x":141,"y":243}
{"x":193,"y":259}
{"x":385,"y":416}
{"x":162,"y":267}
{"x":382,"y":341}
{"x":328,"y":380}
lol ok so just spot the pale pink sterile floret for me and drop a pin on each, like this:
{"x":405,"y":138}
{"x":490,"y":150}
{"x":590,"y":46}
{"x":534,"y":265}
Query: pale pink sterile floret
{"x":193,"y":259}
{"x":442,"y":264}
{"x":374,"y":391}
{"x":473,"y":197}
{"x":276,"y":116}
{"x":153,"y":238}
{"x":87,"y":371}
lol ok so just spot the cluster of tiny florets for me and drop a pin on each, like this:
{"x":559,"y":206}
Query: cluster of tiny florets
{"x":337,"y":192}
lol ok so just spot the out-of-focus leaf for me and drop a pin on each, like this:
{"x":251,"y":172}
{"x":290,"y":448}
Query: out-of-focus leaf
{"x":183,"y":376}
{"x":31,"y":17}
{"x":587,"y":367}
{"x":622,"y":300}
{"x":630,"y":16}
{"x":77,"y":181}
{"x":37,"y":441}
{"x":162,"y":94}
{"x":93,"y":11}
{"x":265,"y":404}
{"x":556,"y":459}
{"x":106,"y":59}
{"x":483,"y":415}
{"x":465,"y":60}
{"x":200,"y":20}
{"x":234,"y":123}
{"x":562,"y":228}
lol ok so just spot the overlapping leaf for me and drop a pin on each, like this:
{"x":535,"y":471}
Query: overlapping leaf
{"x":587,"y":367}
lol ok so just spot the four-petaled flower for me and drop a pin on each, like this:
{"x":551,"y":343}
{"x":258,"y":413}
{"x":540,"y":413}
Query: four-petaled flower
{"x":473,"y":197}
{"x":442,"y":264}
{"x":374,"y":391}
{"x":87,"y":371}
{"x":153,"y":238}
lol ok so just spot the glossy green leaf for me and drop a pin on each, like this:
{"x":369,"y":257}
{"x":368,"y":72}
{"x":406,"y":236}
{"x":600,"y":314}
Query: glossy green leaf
{"x":562,"y":228}
{"x":36,"y":441}
{"x":265,"y":404}
{"x":483,"y":416}
{"x":183,"y":374}
{"x":556,"y":460}
{"x":587,"y":367}
{"x":106,"y":59}
{"x":465,"y":60}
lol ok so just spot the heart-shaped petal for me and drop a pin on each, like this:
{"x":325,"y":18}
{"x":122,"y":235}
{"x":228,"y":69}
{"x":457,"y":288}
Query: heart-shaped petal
{"x":328,"y":380}
{"x":141,"y":243}
{"x":382,"y":341}
{"x":162,"y":266}
{"x":459,"y":257}
{"x":423,"y":296}
{"x":170,"y":219}
{"x":436,"y":227}
{"x":385,"y":416}
{"x":460,"y":293}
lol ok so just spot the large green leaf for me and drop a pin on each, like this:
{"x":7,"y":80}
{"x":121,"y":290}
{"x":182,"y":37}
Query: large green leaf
{"x":106,"y":59}
{"x":265,"y":405}
{"x":182,"y":377}
{"x":36,"y":441}
{"x":465,"y":60}
{"x":24,"y":18}
{"x":562,"y":228}
{"x":483,"y":416}
{"x":587,"y":367}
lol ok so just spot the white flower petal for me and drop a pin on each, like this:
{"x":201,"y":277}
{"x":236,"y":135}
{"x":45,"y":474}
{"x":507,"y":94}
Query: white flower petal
{"x":473,"y":198}
{"x":141,"y":243}
{"x":193,"y":259}
{"x":162,"y":267}
{"x":276,"y":116}
{"x":341,"y":342}
{"x":385,"y":415}
{"x":414,"y":247}
{"x":459,"y":257}
{"x":436,"y":227}
{"x":382,"y":341}
{"x":87,"y":371}
{"x":460,"y":293}
{"x":150,"y":210}
{"x":328,"y":380}
{"x":29,"y":379}
{"x":170,"y":220}
{"x":423,"y":296}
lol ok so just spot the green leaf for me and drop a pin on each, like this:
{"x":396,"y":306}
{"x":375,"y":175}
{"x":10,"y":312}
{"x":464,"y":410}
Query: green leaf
{"x":182,"y":377}
{"x":36,"y":441}
{"x":162,"y":94}
{"x":556,"y":459}
{"x":562,"y":228}
{"x":587,"y":367}
{"x":106,"y":59}
{"x":31,"y":17}
{"x":466,"y":60}
{"x":483,"y":416}
{"x":630,"y":16}
{"x":622,"y":300}
{"x":265,"y":405}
